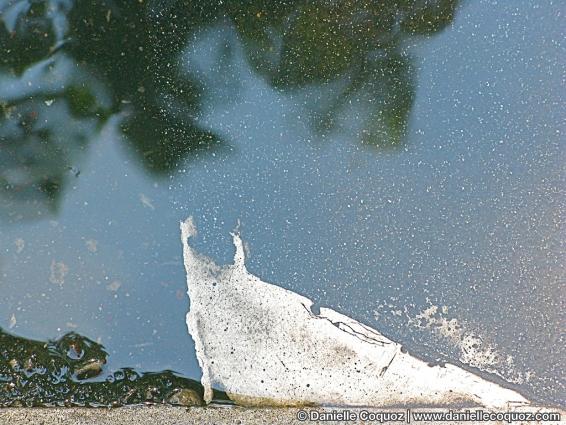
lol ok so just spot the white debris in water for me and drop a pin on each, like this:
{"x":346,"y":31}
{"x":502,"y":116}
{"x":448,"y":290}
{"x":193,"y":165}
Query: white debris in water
{"x":474,"y":351}
{"x":114,"y":285}
{"x":263,"y":345}
{"x":20,"y":245}
{"x":146,"y":201}
{"x":92,"y":245}
{"x":13,"y":321}
{"x":58,"y":272}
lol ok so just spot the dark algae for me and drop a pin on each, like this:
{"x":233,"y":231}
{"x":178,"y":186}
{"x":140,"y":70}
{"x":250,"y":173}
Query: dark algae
{"x":70,"y":371}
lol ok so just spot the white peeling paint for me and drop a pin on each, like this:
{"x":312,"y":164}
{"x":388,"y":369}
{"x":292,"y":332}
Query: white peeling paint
{"x":263,"y":345}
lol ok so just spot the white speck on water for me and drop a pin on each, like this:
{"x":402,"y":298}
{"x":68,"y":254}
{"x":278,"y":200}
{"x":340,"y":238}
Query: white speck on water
{"x":91,"y":245}
{"x":146,"y":201}
{"x":58,"y":273}
{"x":114,"y":285}
{"x":20,"y":245}
{"x":13,"y":321}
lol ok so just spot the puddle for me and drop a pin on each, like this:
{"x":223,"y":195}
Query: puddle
{"x":403,"y":154}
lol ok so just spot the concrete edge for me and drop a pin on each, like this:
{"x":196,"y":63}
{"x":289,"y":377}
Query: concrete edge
{"x":170,"y":415}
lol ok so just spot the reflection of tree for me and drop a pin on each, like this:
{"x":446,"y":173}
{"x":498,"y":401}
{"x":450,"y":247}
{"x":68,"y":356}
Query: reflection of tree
{"x":68,"y":372}
{"x":135,"y":49}
{"x":48,"y":116}
{"x":355,"y":51}
{"x":109,"y":56}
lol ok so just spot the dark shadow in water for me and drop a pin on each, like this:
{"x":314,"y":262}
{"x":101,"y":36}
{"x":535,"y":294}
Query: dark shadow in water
{"x":70,"y":371}
{"x":356,"y":50}
{"x":67,"y":67}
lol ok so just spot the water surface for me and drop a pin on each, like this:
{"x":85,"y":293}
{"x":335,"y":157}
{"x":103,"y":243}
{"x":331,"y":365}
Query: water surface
{"x":400,"y":162}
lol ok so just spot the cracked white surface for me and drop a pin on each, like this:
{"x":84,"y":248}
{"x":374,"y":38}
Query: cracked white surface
{"x":263,"y":345}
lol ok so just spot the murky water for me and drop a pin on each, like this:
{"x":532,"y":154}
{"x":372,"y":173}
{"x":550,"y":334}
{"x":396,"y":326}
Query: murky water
{"x":400,"y":162}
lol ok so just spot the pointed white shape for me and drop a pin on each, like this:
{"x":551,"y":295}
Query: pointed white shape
{"x":263,"y":345}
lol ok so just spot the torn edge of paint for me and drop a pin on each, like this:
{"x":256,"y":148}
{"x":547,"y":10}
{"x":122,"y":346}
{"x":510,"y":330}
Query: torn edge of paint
{"x":263,"y":345}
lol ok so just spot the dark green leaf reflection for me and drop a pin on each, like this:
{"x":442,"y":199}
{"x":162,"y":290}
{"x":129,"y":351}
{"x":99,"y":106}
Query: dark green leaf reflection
{"x":67,"y":66}
{"x":70,"y":371}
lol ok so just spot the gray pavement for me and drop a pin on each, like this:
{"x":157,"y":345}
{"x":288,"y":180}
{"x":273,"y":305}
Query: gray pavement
{"x":168,"y":415}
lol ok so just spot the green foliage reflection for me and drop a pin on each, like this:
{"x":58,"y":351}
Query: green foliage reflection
{"x":70,"y":371}
{"x":67,"y":66}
